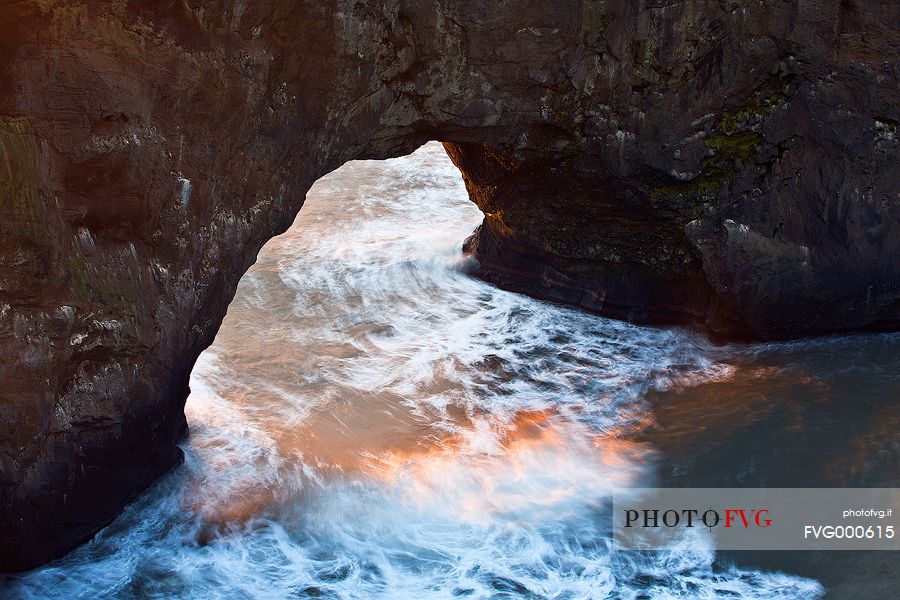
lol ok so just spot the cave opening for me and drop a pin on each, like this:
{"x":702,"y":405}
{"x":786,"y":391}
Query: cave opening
{"x":323,"y":329}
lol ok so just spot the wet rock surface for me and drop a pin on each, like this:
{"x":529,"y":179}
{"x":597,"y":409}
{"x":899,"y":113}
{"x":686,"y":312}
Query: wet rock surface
{"x":725,"y":163}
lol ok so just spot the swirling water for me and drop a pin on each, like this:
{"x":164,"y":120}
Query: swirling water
{"x":372,"y":422}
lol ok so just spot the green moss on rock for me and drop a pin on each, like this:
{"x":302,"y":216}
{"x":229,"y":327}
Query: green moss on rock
{"x":734,"y":140}
{"x":88,"y":285}
{"x":755,"y":110}
{"x":720,"y":168}
{"x":20,"y":199}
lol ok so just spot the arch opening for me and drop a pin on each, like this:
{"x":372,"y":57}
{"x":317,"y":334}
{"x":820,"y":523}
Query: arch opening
{"x":335,"y":311}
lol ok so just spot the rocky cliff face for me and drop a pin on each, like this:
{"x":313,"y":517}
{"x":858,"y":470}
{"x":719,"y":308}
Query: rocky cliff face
{"x":723,"y":162}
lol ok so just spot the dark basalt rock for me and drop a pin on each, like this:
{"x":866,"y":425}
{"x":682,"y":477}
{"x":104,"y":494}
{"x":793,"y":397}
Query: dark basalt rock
{"x":726,"y":163}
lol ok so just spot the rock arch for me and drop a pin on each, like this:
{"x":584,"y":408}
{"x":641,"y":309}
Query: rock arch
{"x":727,"y":163}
